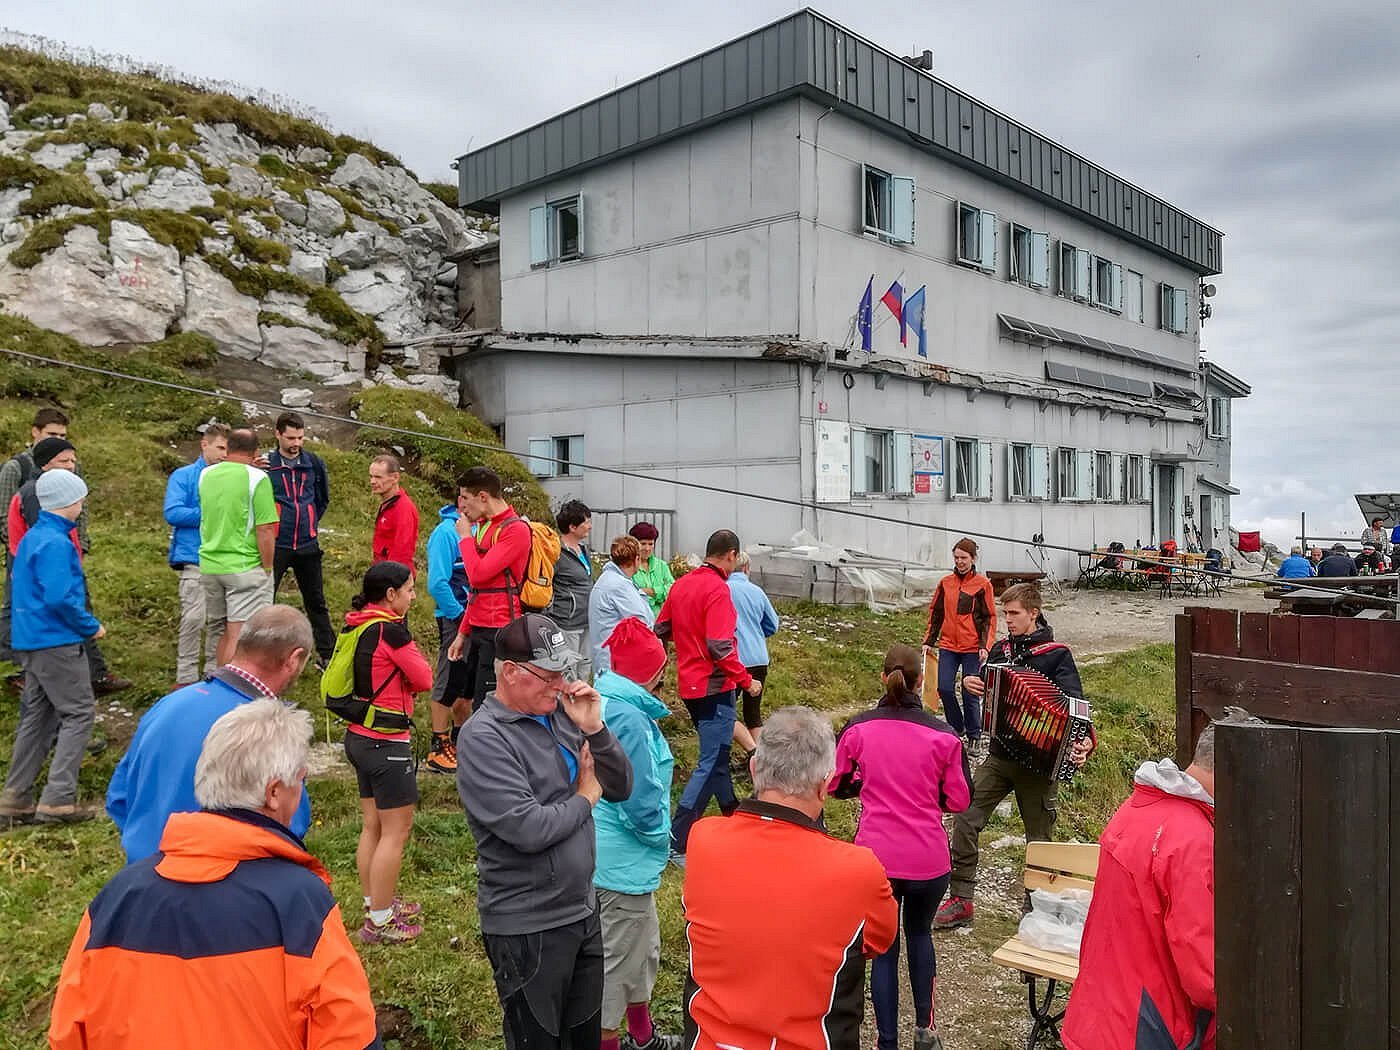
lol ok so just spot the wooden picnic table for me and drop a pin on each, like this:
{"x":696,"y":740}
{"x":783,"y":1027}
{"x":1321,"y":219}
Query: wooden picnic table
{"x":1168,"y":573}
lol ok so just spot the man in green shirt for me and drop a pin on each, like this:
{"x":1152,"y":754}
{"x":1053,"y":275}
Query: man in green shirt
{"x":653,"y":576}
{"x":238,"y":519}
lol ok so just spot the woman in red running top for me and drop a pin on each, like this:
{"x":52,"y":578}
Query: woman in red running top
{"x":389,"y":669}
{"x":908,"y":767}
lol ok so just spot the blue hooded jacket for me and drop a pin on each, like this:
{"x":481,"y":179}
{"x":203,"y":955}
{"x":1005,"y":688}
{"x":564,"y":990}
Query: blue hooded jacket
{"x":49,"y":602}
{"x":155,"y":777}
{"x":182,"y":513}
{"x":634,"y":837}
{"x":1296,"y":567}
{"x":756,"y":622}
{"x":447,"y":578}
{"x":614,"y":598}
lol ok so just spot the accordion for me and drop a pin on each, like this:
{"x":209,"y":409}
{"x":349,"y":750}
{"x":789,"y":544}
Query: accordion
{"x":1033,"y":720}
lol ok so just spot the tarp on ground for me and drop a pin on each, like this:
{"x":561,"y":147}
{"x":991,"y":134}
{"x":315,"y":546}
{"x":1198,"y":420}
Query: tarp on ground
{"x":810,"y":570}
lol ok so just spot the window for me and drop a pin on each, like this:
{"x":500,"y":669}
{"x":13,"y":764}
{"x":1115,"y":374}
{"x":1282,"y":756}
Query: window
{"x":1103,"y":477}
{"x":1218,"y":419}
{"x":887,"y":205}
{"x":556,"y":231}
{"x":972,"y":469}
{"x":557,"y":457}
{"x":1027,"y":472}
{"x":977,"y":237}
{"x":1173,"y":308}
{"x":1132,"y":296}
{"x":1134,"y":479}
{"x":882,"y":462}
{"x":1108,"y":285}
{"x":1075,"y":475}
{"x":1074,"y":272}
{"x":1030,"y":257}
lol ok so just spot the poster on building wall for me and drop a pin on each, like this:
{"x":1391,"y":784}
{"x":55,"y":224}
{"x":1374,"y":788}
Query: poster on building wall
{"x":928,"y":464}
{"x":833,"y":461}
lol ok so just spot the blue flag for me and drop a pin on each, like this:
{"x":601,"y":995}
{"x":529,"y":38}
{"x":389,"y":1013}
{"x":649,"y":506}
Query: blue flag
{"x":914,"y":317}
{"x":864,"y":316}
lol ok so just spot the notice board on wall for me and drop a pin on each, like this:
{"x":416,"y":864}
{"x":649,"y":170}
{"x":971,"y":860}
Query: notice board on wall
{"x":833,"y":461}
{"x":928,"y":464}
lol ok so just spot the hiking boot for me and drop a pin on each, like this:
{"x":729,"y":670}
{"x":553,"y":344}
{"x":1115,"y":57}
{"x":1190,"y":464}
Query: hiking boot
{"x":443,"y":755}
{"x":395,"y":931}
{"x":71,"y":813}
{"x":656,"y":1042}
{"x":97,"y":742}
{"x":956,"y":911}
{"x":402,"y":909}
{"x":14,"y":811}
{"x":927,"y":1039}
{"x":110,"y":684}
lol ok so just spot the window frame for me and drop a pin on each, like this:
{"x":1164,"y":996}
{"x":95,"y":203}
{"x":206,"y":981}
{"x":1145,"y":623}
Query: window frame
{"x":897,"y":461}
{"x":1080,"y":464}
{"x":979,"y":486}
{"x":1033,"y":245}
{"x":985,"y":226}
{"x":1075,"y":284}
{"x":896,"y":201}
{"x":546,"y":245}
{"x":1106,"y":284}
{"x":1217,"y":430}
{"x":1103,"y":477}
{"x":1135,"y":488}
{"x":1134,"y":311}
{"x":1174,"y":304}
{"x":556,"y":456}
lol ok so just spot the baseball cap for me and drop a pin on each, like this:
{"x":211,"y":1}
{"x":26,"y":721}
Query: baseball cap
{"x":534,"y":639}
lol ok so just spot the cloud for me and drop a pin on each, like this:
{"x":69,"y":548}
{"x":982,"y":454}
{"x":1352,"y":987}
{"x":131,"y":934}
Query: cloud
{"x":1276,"y":122}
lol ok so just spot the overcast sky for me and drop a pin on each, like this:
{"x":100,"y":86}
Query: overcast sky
{"x":1277,"y":122}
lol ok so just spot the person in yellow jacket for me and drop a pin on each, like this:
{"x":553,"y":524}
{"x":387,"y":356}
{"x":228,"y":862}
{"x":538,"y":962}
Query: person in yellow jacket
{"x":962,"y":624}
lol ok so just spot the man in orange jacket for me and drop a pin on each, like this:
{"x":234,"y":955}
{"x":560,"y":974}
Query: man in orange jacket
{"x":962,"y":624}
{"x":783,"y":969}
{"x":229,"y":936}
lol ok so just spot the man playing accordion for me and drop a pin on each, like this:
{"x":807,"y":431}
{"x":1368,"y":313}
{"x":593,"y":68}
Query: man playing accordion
{"x":1030,"y":643}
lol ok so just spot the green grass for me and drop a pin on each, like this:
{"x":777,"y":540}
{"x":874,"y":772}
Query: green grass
{"x":130,"y":438}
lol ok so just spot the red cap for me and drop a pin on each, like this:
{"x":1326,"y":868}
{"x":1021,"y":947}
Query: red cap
{"x":635,"y":651}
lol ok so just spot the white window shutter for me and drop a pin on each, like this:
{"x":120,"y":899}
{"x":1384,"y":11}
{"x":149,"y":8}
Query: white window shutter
{"x":576,"y":455}
{"x":1083,"y":273}
{"x":1040,"y":260}
{"x":539,"y":236}
{"x":859,"y":481}
{"x":1011,"y":492}
{"x":984,"y":470}
{"x":1084,"y":474}
{"x":1040,"y":472}
{"x":1179,"y":311}
{"x":1117,"y":469}
{"x":1115,"y":296}
{"x":903,"y":466}
{"x":902,"y":226}
{"x":582,"y":227}
{"x":541,"y":451}
{"x":987,"y":228}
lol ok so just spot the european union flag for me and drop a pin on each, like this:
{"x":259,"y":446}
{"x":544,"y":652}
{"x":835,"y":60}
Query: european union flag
{"x":864,"y":316}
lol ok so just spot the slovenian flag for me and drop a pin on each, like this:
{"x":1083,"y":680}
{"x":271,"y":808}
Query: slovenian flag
{"x":894,"y":299}
{"x":914,"y":316}
{"x":865,"y":316}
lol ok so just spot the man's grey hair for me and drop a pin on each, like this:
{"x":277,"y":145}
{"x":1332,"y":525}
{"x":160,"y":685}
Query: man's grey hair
{"x":1205,"y":746}
{"x":741,"y":563}
{"x":247,"y":749}
{"x":272,"y":633}
{"x":796,"y":752}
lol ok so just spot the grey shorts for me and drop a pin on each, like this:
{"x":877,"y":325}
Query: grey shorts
{"x":233,"y":597}
{"x":631,"y":951}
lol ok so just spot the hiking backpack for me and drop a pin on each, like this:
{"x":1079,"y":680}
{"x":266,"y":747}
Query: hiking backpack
{"x":338,"y":683}
{"x":536,"y":590}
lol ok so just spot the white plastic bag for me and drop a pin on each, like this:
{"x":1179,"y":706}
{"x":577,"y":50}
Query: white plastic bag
{"x":1056,"y":920}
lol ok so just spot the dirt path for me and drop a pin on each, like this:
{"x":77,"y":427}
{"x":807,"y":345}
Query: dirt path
{"x":1098,"y":622}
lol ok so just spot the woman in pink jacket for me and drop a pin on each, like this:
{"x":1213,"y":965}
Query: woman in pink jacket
{"x":908,"y":769}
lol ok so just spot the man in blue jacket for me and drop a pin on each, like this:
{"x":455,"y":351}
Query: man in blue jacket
{"x":52,"y":624}
{"x":182,"y":515}
{"x":156,"y":776}
{"x":447,"y":583}
{"x":303,"y":492}
{"x":634,"y":838}
{"x":1295,"y":566}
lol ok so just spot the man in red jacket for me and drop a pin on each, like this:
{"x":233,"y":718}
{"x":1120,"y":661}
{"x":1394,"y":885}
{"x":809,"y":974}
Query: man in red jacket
{"x":698,"y":616}
{"x":396,"y":524}
{"x":494,"y":560}
{"x":1147,"y":962}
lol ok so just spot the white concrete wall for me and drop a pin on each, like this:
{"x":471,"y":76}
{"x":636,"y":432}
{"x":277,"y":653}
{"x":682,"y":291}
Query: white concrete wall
{"x":695,"y":237}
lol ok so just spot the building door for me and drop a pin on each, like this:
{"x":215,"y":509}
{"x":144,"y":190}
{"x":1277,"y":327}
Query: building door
{"x":1206,"y":522}
{"x":1165,"y":496}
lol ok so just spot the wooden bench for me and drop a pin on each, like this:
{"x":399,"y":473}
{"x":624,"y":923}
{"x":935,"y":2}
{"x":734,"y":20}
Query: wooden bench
{"x":1049,"y":866}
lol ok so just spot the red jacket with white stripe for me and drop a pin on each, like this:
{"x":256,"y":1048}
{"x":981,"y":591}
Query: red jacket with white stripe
{"x":1147,"y":962}
{"x":698,"y":617}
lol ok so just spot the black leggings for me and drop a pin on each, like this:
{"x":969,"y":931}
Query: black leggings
{"x":918,"y":901}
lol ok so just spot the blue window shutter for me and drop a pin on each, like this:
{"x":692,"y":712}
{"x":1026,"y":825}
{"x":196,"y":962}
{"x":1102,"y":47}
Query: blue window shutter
{"x":984,"y":470}
{"x":1040,"y":260}
{"x":903,"y":468}
{"x":539,"y":236}
{"x":1040,"y":472}
{"x":582,"y":249}
{"x":902,"y":227}
{"x":541,"y":450}
{"x":987,"y":255}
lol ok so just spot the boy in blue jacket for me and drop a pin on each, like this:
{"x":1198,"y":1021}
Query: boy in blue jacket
{"x":634,"y":838}
{"x":447,"y":583}
{"x":51,"y":626}
{"x":182,"y":515}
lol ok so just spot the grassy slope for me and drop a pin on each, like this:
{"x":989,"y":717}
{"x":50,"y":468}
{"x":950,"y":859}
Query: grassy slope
{"x":442,"y":985}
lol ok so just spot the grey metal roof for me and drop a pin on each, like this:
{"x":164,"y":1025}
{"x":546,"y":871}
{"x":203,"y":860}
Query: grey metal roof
{"x":808,"y":54}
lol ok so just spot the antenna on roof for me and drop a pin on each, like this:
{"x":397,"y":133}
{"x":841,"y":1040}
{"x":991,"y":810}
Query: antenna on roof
{"x":924,"y":61}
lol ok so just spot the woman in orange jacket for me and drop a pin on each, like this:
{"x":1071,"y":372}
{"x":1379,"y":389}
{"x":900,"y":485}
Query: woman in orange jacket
{"x":962,"y":624}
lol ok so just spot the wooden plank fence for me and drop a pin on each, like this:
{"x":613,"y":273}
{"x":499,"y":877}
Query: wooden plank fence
{"x":1307,"y":901}
{"x":1301,"y":670}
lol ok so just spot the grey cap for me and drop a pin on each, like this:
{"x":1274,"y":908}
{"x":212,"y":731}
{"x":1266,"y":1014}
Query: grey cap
{"x":57,"y":489}
{"x":535,"y":639}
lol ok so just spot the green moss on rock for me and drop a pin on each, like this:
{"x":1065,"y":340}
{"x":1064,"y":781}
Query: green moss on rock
{"x":62,"y":188}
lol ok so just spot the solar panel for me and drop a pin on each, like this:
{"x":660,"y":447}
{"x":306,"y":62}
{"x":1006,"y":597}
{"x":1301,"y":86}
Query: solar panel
{"x":1016,"y":326}
{"x":1035,"y":330}
{"x":1117,"y":384}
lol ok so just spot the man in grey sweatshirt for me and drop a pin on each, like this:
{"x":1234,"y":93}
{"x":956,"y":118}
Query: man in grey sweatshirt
{"x":531,"y":765}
